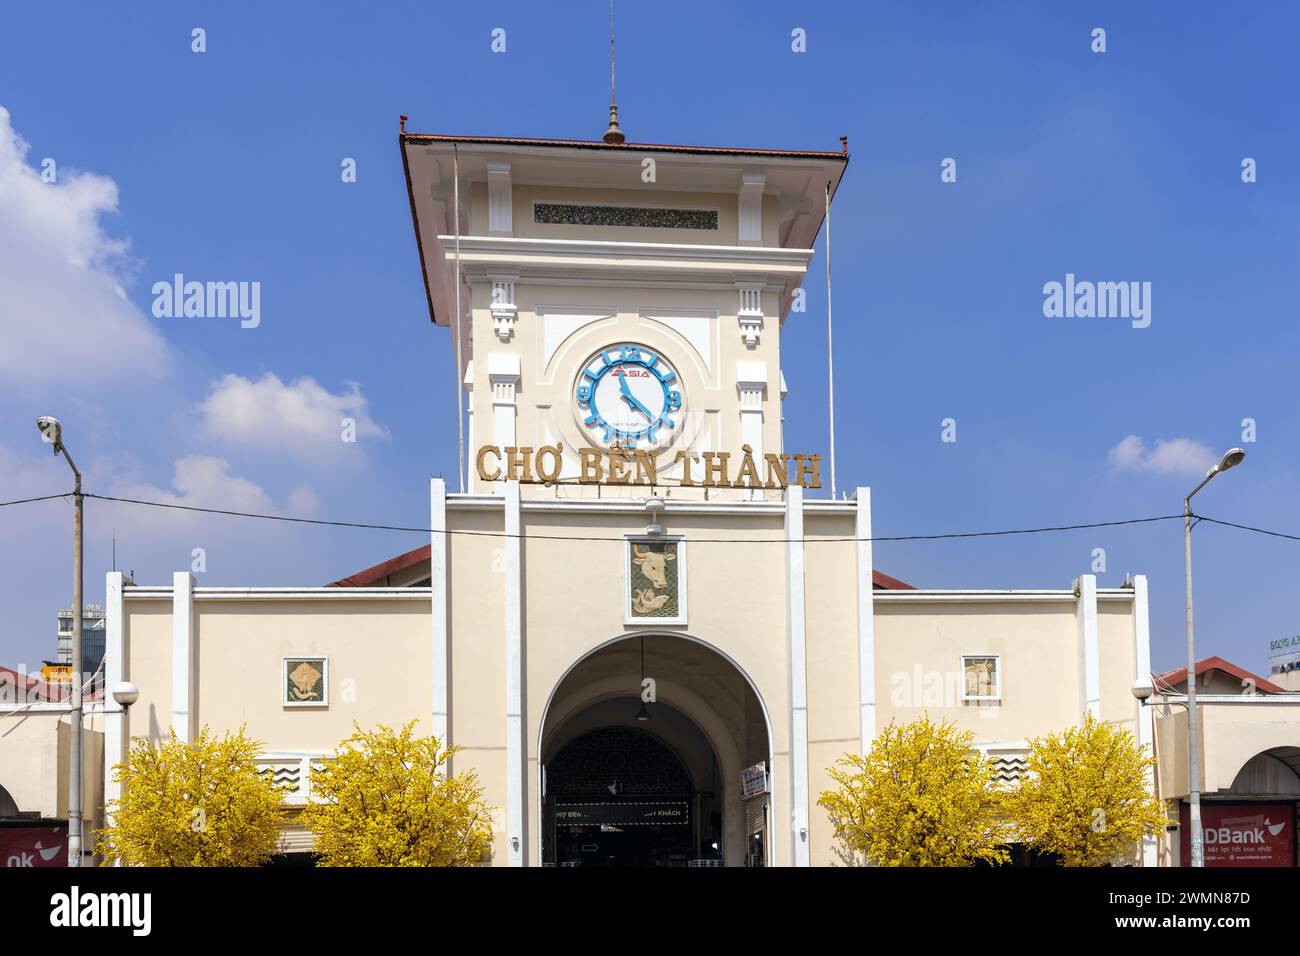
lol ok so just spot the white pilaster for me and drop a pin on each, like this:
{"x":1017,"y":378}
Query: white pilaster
{"x":500,"y":199}
{"x":470,"y":447}
{"x":797,"y":648}
{"x":117,"y":732}
{"x":503,"y":373}
{"x":502,"y":304}
{"x":1085,"y":614}
{"x":1144,"y":711}
{"x":751,"y":385}
{"x":438,"y":605}
{"x":866,"y":624}
{"x":516,"y":747}
{"x":184,"y":665}
{"x":751,"y":207}
{"x":750,"y":314}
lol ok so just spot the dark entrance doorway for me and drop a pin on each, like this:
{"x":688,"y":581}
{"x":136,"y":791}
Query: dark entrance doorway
{"x":620,"y":796}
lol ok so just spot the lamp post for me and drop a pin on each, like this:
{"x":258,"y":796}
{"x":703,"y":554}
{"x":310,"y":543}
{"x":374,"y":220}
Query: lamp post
{"x":52,"y":432}
{"x":1231,"y":459}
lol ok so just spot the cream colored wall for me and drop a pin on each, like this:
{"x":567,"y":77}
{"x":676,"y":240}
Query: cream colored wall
{"x":34,"y":764}
{"x":379,"y":667}
{"x":545,"y":407}
{"x":477,"y":685}
{"x":1230,"y":734}
{"x":29,"y":760}
{"x":1118,"y":664}
{"x":147,"y":636}
{"x":1038,"y":646}
{"x":573,"y":603}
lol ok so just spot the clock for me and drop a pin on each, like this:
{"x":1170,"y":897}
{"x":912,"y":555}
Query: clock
{"x":628,"y":395}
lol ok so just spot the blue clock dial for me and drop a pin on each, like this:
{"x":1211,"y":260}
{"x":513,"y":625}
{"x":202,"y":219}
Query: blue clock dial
{"x":628,"y":395}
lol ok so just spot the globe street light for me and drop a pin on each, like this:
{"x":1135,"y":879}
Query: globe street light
{"x":1231,"y":459}
{"x":52,"y":432}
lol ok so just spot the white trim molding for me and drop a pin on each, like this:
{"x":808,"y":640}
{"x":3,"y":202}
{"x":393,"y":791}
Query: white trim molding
{"x":796,"y":643}
{"x":117,"y":731}
{"x":183,"y":656}
{"x":1144,"y":713}
{"x":1089,"y":653}
{"x":750,"y":207}
{"x":751,"y":389}
{"x":866,"y":624}
{"x":440,"y":715}
{"x":750,"y":314}
{"x":502,"y":304}
{"x":503,"y":374}
{"x":516,"y":746}
{"x":500,"y":198}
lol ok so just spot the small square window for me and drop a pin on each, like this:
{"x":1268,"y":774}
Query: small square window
{"x":981,"y":677}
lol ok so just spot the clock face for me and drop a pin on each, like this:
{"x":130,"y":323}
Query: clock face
{"x":629,"y":395}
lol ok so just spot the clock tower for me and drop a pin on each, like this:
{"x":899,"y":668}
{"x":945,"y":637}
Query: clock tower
{"x":620,"y":308}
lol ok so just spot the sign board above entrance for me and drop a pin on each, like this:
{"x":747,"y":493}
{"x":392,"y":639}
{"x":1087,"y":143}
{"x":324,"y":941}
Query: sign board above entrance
{"x":626,"y":466}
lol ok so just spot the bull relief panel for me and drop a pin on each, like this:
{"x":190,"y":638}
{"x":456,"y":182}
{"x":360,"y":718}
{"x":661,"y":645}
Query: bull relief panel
{"x":655,"y":575}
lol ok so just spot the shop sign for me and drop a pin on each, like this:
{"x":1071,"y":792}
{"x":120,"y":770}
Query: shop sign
{"x":37,"y":845}
{"x":1243,"y":834}
{"x":753,"y":780}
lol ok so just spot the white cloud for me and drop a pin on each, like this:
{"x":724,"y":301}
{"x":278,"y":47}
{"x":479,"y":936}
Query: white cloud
{"x":303,"y":502}
{"x":206,"y":482}
{"x":65,"y":317}
{"x":302,"y":416}
{"x":1174,"y":456}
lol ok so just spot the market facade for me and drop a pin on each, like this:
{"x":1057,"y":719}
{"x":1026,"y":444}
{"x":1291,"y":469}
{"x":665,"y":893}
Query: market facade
{"x":646,"y":622}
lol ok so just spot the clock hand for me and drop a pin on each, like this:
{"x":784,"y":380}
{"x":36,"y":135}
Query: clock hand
{"x":632,"y":400}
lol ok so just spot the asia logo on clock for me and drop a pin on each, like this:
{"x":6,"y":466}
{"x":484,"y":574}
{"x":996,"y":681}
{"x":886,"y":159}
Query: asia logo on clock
{"x":629,"y":395}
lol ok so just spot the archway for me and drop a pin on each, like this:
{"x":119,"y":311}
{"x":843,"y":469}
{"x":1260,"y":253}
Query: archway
{"x":8,"y":807}
{"x":643,"y":766}
{"x":1271,"y":773}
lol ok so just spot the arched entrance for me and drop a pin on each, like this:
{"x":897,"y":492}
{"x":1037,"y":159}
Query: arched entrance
{"x":642,"y":763}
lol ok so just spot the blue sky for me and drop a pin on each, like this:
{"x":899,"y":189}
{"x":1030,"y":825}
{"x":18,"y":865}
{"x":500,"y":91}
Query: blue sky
{"x":1115,"y":166}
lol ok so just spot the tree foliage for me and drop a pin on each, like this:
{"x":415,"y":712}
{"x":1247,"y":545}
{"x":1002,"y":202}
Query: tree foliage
{"x":387,"y":800}
{"x":1084,"y":796}
{"x":921,"y":797}
{"x":192,"y":804}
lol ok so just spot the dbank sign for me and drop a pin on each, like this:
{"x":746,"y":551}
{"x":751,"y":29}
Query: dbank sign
{"x":1245,"y":834}
{"x":33,"y":846}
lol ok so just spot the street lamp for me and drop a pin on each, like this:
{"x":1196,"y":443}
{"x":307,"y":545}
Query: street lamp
{"x":52,"y":432}
{"x":1231,"y":459}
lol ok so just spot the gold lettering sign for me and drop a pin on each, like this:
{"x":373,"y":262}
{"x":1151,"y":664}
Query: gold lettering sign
{"x":625,"y":466}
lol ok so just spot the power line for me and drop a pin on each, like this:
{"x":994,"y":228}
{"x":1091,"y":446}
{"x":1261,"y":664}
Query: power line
{"x":537,"y":537}
{"x":1246,"y":527}
{"x":952,"y":535}
{"x":24,"y":501}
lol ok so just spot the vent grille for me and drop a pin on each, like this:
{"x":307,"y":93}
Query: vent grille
{"x":641,"y":217}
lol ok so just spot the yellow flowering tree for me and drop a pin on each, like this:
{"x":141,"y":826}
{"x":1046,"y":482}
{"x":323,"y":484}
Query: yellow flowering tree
{"x":1084,"y":796}
{"x":192,"y":804}
{"x":387,"y":800}
{"x":921,"y":797}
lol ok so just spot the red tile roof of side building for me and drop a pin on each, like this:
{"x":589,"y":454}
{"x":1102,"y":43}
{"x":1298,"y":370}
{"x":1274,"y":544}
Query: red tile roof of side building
{"x":1207,"y":664}
{"x":379,"y":572}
